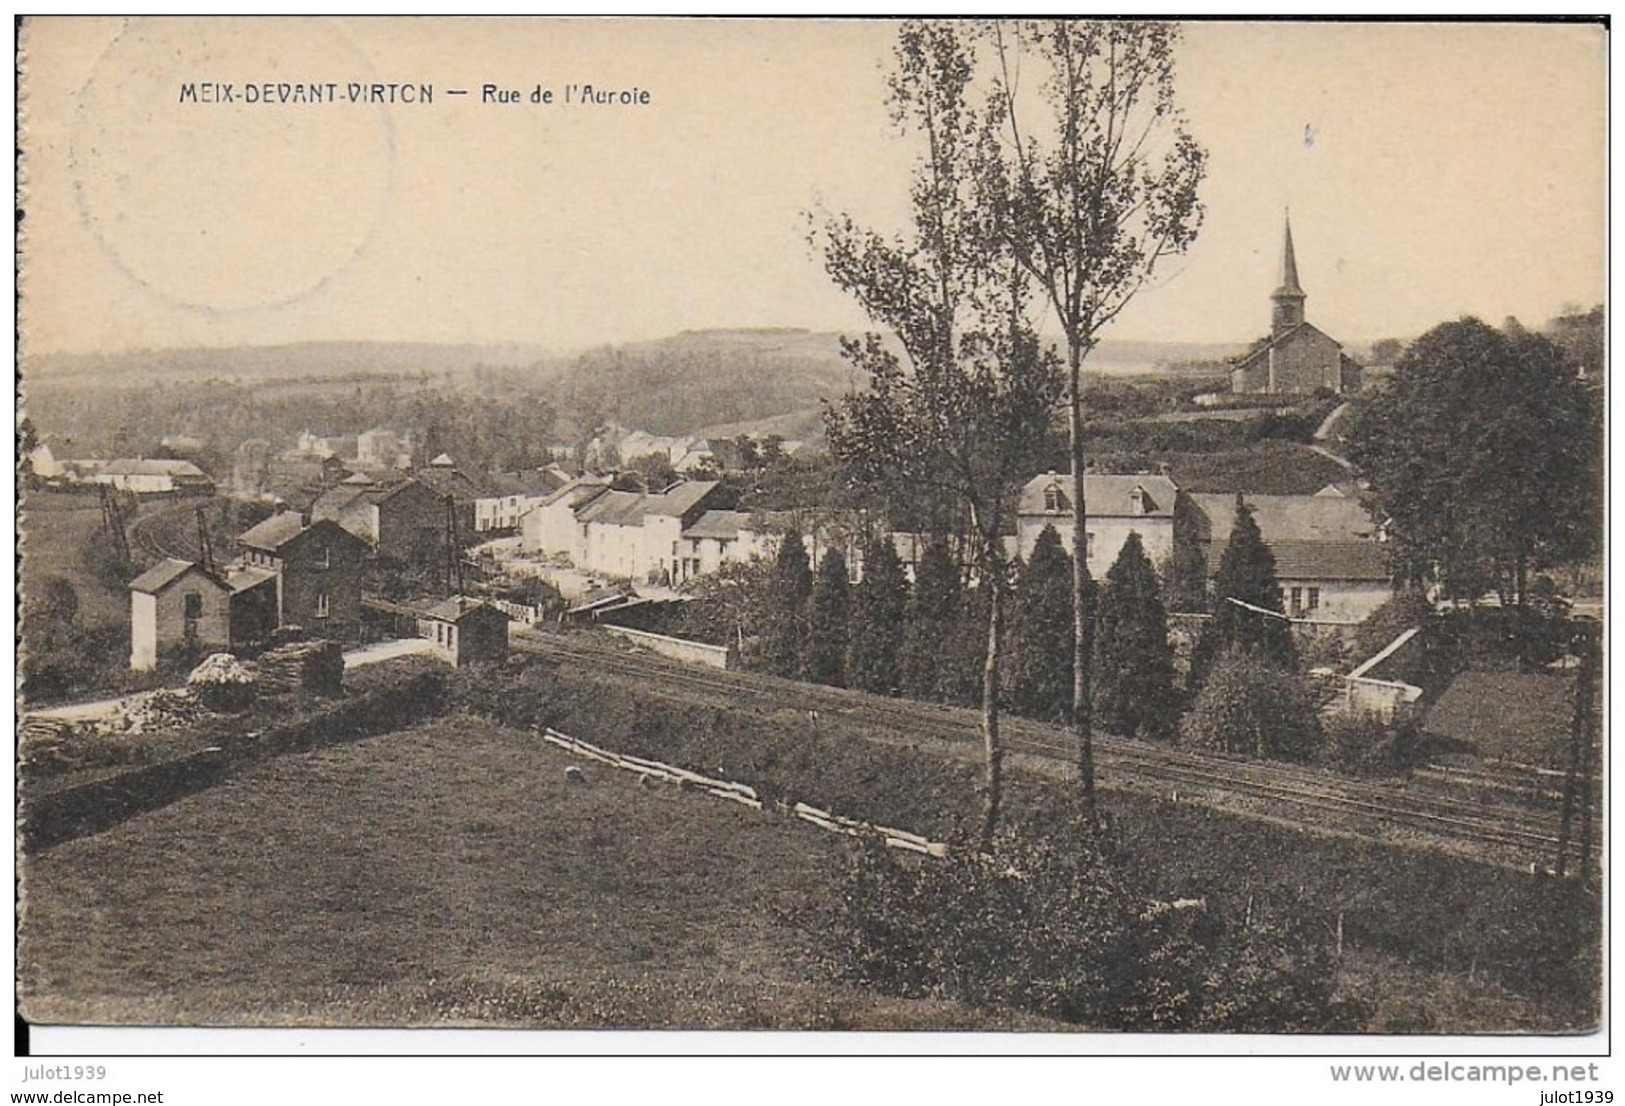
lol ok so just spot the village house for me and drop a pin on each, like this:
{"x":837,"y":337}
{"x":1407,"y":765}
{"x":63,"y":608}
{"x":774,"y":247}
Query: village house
{"x":467,"y":630}
{"x":1297,"y":358}
{"x":402,"y":519}
{"x":714,"y":539}
{"x":177,"y":604}
{"x":317,"y":566}
{"x":508,"y":495}
{"x":1115,"y":506}
{"x":1330,"y":560}
{"x":549,"y":528}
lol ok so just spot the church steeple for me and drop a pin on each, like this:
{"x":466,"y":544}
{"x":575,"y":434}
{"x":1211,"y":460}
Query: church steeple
{"x":1289,"y":297}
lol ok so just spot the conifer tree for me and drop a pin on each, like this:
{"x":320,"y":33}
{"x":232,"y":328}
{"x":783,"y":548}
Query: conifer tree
{"x":1041,"y":634}
{"x":879,"y":614}
{"x":1246,"y":574}
{"x":784,"y":634}
{"x":1134,"y":664}
{"x":828,"y":623}
{"x":933,"y":611}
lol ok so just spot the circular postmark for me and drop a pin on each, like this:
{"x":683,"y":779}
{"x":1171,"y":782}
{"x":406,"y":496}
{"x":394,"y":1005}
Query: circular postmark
{"x":222,"y":199}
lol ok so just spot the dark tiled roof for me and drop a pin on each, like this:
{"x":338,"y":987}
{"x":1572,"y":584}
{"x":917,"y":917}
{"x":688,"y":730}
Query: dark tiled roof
{"x":457,"y":608}
{"x":161,"y":575}
{"x":722,"y":525}
{"x":1330,"y":560}
{"x":681,"y":498}
{"x":274,"y":532}
{"x":1283,"y":518}
{"x":615,"y":508}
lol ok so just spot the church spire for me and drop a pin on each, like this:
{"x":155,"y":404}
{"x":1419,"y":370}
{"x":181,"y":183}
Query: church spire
{"x":1289,"y":297}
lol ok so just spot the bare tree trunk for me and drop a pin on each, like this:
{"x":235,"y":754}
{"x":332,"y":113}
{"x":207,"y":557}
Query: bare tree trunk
{"x":1082,"y":708}
{"x":993,"y":747}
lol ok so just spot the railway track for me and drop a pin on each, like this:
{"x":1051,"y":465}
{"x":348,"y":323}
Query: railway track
{"x":162,"y":532}
{"x":1516,"y":832}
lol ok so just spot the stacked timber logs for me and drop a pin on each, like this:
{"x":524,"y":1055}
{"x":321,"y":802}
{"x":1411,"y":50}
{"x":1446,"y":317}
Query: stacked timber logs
{"x":316,"y":666}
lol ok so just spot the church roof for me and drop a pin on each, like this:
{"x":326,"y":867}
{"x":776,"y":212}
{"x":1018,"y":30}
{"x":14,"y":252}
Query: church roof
{"x":1290,"y":334}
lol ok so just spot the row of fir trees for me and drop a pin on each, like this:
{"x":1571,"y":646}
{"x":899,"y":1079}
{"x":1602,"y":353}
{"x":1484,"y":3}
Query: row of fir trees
{"x":926,"y":640}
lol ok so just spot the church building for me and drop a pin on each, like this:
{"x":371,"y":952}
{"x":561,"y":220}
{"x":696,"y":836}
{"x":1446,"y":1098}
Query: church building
{"x":1297,"y":358}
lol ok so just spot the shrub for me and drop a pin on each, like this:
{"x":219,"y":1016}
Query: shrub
{"x":1049,"y":924}
{"x":1248,"y":706}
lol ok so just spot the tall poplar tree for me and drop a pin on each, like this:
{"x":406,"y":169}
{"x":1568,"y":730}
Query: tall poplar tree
{"x":958,"y":404}
{"x":1090,"y":199}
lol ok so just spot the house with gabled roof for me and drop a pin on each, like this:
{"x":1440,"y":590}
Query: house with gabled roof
{"x":549,"y":528}
{"x":1330,"y":558}
{"x":317,"y":566}
{"x":403,"y":519}
{"x":1115,"y":506}
{"x":177,"y":604}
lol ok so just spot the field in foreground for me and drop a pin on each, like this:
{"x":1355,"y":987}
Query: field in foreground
{"x":447,"y":874}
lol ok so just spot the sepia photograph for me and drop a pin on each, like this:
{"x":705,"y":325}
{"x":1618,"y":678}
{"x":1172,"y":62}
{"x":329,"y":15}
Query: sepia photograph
{"x":1069,"y":532}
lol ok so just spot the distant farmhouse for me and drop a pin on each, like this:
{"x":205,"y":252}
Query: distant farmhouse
{"x":154,"y":476}
{"x":1297,"y":358}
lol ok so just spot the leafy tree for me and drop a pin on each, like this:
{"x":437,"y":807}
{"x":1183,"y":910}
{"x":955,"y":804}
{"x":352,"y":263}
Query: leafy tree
{"x":654,"y":469}
{"x":879,"y":614}
{"x":829,"y":622}
{"x":965,"y":419}
{"x":1090,"y":202}
{"x":1484,"y":455}
{"x":1249,"y":706}
{"x":1134,"y":664}
{"x":1041,"y":634}
{"x":730,"y":607}
{"x":1246,"y":576}
{"x":933,"y":614}
{"x":1386,"y":351}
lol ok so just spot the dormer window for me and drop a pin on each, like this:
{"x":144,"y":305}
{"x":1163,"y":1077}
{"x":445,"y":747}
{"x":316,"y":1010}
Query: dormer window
{"x":1053,"y":501}
{"x":1138,"y":502}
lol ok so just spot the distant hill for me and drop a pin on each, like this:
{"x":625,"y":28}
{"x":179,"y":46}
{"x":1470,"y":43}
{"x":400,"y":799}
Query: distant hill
{"x":351,"y":360}
{"x":700,"y":380}
{"x":770,"y":381}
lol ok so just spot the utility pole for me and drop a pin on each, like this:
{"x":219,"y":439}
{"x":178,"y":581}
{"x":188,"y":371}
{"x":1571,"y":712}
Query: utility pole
{"x":113,"y":523}
{"x":1577,"y":788}
{"x":205,"y":550}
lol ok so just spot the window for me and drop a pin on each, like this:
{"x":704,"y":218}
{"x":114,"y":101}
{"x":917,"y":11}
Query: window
{"x":324,"y":557}
{"x":1052,"y":500}
{"x":674,"y":549}
{"x":1297,"y":600}
{"x":1314,"y":599}
{"x":192,"y":606}
{"x":1088,"y":546}
{"x":321,"y":605}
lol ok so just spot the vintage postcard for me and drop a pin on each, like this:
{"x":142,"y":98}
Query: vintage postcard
{"x":1076,"y":530}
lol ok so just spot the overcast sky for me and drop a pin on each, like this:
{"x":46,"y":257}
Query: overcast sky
{"x":1454,"y":169}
